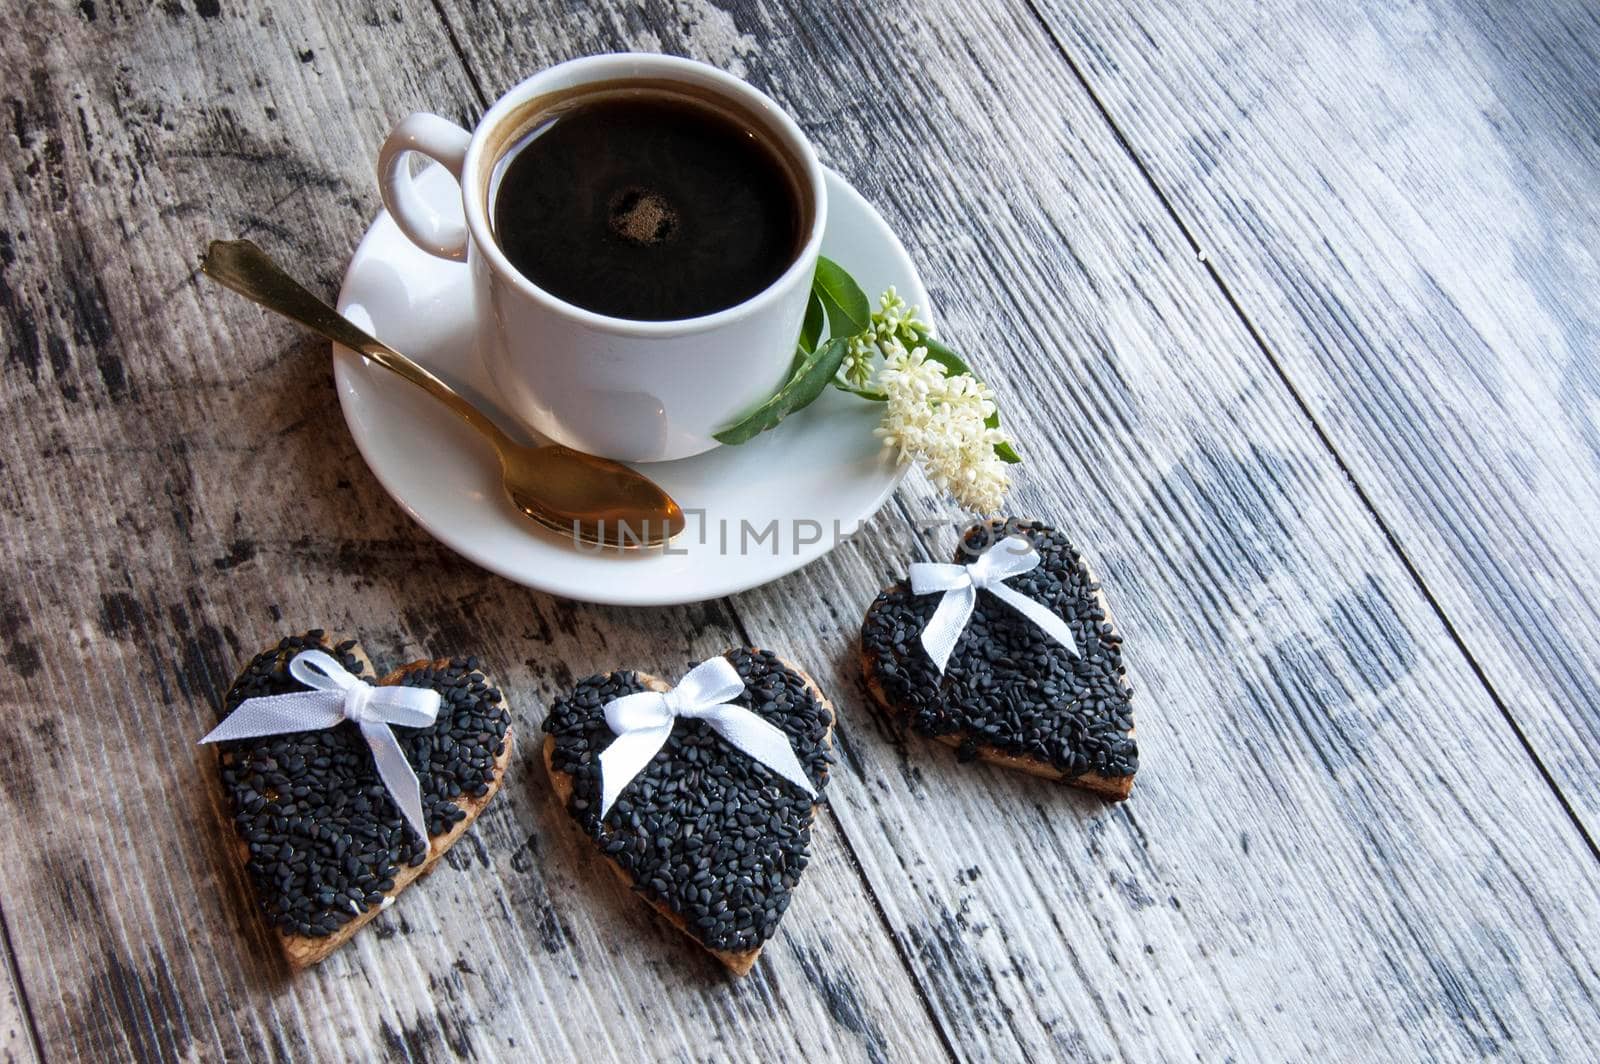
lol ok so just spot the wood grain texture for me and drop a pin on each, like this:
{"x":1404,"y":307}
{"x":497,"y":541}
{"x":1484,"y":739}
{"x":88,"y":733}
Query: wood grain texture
{"x":1337,"y":846}
{"x":17,"y":1036}
{"x":182,"y":490}
{"x":1324,"y":855}
{"x":1401,"y":199}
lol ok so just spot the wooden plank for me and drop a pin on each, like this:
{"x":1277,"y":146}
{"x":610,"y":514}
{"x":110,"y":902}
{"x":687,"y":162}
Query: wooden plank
{"x":1393,"y":194}
{"x":16,"y":1030}
{"x":1336,"y":845}
{"x":182,"y":490}
{"x":1364,"y":908}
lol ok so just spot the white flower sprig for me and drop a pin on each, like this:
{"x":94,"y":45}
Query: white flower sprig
{"x":937,"y":413}
{"x":895,"y":326}
{"x":940,"y":421}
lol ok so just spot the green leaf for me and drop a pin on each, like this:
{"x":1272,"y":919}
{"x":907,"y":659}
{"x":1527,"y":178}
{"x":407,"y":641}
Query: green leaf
{"x":953,"y":364}
{"x":811,"y":331}
{"x":849,"y":313}
{"x":807,"y":382}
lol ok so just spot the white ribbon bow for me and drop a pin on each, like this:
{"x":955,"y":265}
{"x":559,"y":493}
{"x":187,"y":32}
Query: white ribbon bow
{"x":643,"y":722}
{"x":1010,"y":557}
{"x":336,"y":696}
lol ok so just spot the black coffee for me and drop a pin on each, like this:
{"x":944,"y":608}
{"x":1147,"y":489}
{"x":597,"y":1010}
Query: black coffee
{"x":647,"y":205}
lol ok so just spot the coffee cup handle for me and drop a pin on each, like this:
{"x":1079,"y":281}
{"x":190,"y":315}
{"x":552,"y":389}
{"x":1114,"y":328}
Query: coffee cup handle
{"x":442,"y":233}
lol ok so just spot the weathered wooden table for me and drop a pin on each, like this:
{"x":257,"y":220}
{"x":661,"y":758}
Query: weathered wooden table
{"x":1293,"y":306}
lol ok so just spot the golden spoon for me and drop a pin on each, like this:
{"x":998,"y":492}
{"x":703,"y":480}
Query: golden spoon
{"x":593,"y":500}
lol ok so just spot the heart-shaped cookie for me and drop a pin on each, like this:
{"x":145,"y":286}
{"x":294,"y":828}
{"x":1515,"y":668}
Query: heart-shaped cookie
{"x":324,"y":843}
{"x":1011,"y":694}
{"x":712,"y":838}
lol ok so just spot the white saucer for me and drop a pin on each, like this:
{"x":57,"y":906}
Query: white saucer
{"x":752,"y":508}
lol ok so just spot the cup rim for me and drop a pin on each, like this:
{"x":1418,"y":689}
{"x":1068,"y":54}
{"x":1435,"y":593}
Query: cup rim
{"x":625,"y":66}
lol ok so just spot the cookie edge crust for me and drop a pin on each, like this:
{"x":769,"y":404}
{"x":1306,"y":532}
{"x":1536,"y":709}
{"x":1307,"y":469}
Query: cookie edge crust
{"x":1117,"y":788}
{"x":738,"y":962}
{"x":303,"y":951}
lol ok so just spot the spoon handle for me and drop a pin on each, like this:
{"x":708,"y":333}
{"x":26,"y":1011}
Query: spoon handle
{"x":245,"y":268}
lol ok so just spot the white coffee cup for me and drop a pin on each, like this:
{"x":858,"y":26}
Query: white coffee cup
{"x":631,"y":390}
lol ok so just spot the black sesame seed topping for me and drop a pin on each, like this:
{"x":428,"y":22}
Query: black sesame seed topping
{"x":1008,"y":686}
{"x":704,"y":829}
{"x":325,"y":839}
